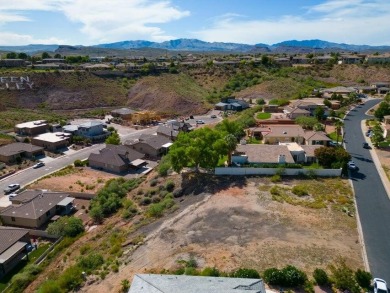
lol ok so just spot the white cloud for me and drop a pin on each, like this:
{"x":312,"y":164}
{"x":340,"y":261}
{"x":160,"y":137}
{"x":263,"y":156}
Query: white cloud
{"x":352,"y":21}
{"x":105,"y":20}
{"x":7,"y":39}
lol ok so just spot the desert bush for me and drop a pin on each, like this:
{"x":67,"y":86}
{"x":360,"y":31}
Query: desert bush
{"x":66,"y":226}
{"x":153,"y":182}
{"x":343,"y":277}
{"x":275,"y":190}
{"x":78,"y":163}
{"x":90,"y":262}
{"x":177,"y":192}
{"x":276,"y":178}
{"x":293,"y":277}
{"x":50,"y":286}
{"x":321,"y":277}
{"x":299,"y":190}
{"x":169,"y":185}
{"x":146,"y":201}
{"x":273,"y":276}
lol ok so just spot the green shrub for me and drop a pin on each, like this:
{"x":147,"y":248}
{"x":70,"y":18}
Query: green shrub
{"x":78,"y":163}
{"x":153,"y":182}
{"x":343,"y":277}
{"x":191,"y":271}
{"x":210,"y":272}
{"x":125,"y":286}
{"x":164,"y":166}
{"x":293,"y":277}
{"x":321,"y":277}
{"x":71,"y":278}
{"x":363,"y":278}
{"x":276,"y":178}
{"x":299,"y":190}
{"x":50,"y":286}
{"x":246,"y":273}
{"x":275,"y":190}
{"x":66,"y":226}
{"x":169,"y":185}
{"x":90,"y":262}
{"x":273,"y":276}
{"x":146,"y":201}
{"x":85,"y":248}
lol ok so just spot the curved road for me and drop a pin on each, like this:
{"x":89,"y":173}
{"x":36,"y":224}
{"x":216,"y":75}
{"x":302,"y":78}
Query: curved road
{"x":371,"y":197}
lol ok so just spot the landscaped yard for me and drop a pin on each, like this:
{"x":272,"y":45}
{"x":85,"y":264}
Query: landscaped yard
{"x":263,"y":116}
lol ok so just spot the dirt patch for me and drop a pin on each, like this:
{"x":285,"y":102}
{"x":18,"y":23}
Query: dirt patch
{"x":240,"y":225}
{"x":82,"y":180}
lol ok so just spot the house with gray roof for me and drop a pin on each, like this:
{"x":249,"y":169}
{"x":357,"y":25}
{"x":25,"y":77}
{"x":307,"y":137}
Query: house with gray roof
{"x":13,"y":243}
{"x":11,"y":152}
{"x":151,"y":145}
{"x":151,"y":283}
{"x":116,"y":159}
{"x":262,"y":154}
{"x":124,"y":113}
{"x":232,"y":104}
{"x":316,"y":138}
{"x":31,"y":209}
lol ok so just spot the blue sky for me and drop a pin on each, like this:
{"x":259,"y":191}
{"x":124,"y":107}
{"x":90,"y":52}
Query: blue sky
{"x":87,"y":22}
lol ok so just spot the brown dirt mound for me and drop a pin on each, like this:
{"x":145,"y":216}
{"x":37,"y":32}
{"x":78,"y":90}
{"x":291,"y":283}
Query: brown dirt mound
{"x":173,"y":94}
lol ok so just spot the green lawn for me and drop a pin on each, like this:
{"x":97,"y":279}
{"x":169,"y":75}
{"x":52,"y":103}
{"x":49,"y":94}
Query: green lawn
{"x":263,"y":115}
{"x":333,"y":136}
{"x":384,"y":144}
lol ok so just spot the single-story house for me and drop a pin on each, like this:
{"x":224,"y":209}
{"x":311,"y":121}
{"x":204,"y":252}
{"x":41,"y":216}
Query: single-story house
{"x":172,"y":129}
{"x":302,"y":153}
{"x":293,"y":113}
{"x":373,"y":59}
{"x":147,"y":283}
{"x":383,"y":90}
{"x":93,"y":130}
{"x":284,"y":133}
{"x":310,"y":104}
{"x":262,"y":154}
{"x":283,"y":61}
{"x":124,"y":113}
{"x":300,"y":60}
{"x":31,"y":128}
{"x":32,"y":209}
{"x":366,"y":90}
{"x":380,"y":84}
{"x":316,"y":138}
{"x":150,"y":145}
{"x":232,"y":104}
{"x":10,"y":152}
{"x":342,"y":90}
{"x":351,"y":59}
{"x":12,"y":63}
{"x":13,"y":243}
{"x":322,"y":59}
{"x":52,"y":141}
{"x":117,"y":159}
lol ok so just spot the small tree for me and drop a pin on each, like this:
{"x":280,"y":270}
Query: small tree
{"x":66,"y":226}
{"x":113,"y":139}
{"x":363,"y":278}
{"x":338,"y":125}
{"x":319,"y":113}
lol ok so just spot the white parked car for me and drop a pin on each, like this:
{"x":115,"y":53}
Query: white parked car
{"x":38,"y":165}
{"x":352,"y":166}
{"x":380,"y":286}
{"x":11,"y":188}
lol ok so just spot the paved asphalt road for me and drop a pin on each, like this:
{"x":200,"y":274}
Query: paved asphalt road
{"x":29,"y":175}
{"x":371,"y":197}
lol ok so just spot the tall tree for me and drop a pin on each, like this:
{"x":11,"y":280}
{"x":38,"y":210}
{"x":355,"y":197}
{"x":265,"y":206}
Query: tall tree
{"x":200,"y":148}
{"x":319,"y":113}
{"x":231,"y":127}
{"x":11,"y":55}
{"x":45,"y":55}
{"x":338,"y":125}
{"x":231,"y":144}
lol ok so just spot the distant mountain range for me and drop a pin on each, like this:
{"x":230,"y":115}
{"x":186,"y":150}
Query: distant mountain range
{"x":194,"y":45}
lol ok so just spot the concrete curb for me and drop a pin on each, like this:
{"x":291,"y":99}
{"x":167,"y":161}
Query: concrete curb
{"x":378,"y":165}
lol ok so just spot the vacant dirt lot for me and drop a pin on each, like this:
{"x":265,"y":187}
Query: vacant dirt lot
{"x":239,"y":225}
{"x":78,"y":180}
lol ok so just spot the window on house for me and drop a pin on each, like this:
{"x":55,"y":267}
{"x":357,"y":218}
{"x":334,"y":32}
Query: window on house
{"x":48,"y":213}
{"x":12,"y":219}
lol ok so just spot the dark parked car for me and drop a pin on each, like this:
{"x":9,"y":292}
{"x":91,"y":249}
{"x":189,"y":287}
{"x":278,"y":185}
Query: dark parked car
{"x":366,"y":145}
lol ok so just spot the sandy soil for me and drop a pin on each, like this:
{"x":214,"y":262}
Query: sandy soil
{"x":241,"y":226}
{"x":83,"y":180}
